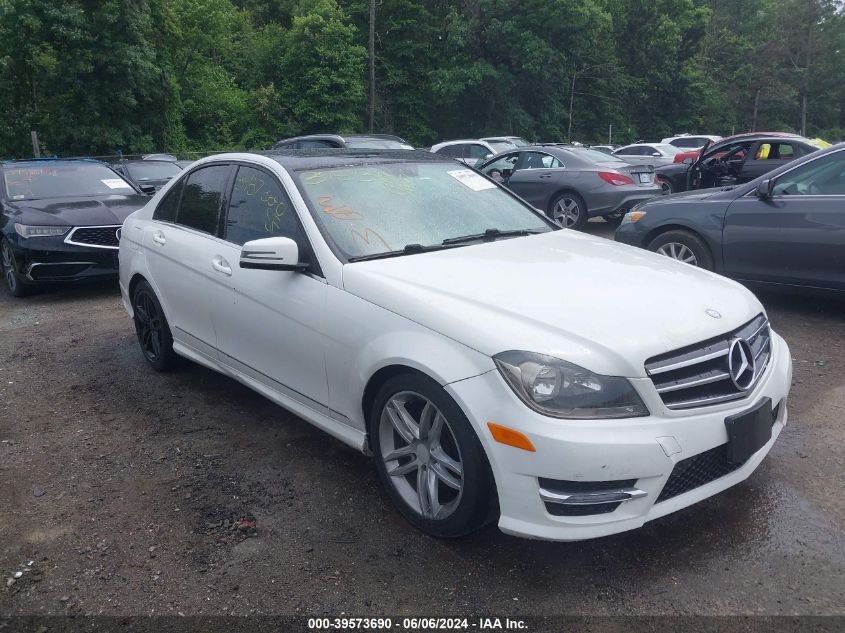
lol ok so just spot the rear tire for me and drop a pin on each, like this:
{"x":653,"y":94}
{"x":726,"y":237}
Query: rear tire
{"x":152,"y":328}
{"x":665,"y":185}
{"x":9,"y":267}
{"x":417,"y":429}
{"x":683,"y":246}
{"x":569,"y":210}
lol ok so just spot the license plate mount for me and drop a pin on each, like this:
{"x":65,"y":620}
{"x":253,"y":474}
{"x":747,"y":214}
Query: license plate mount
{"x":748,"y":432}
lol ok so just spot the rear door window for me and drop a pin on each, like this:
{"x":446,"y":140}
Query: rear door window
{"x":475,"y":151}
{"x":201,"y":199}
{"x":168,"y":207}
{"x":452,"y":151}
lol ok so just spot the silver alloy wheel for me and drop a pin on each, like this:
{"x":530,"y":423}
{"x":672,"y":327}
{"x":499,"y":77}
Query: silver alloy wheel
{"x":567,"y":212}
{"x":9,"y":267}
{"x":421,"y":455}
{"x":665,"y":186}
{"x":678,"y":251}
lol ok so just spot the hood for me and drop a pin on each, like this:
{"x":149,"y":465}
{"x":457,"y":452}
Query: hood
{"x":601,"y":305}
{"x":75,"y":211}
{"x":685,"y":196}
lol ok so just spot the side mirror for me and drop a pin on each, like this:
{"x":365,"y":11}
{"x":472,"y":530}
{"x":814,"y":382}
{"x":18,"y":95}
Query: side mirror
{"x":687,"y":161}
{"x":656,"y":154}
{"x":765,"y":188}
{"x":148,"y":189}
{"x":271,"y":253}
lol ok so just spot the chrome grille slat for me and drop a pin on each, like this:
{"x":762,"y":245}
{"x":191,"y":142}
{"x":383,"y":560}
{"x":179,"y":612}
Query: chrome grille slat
{"x":686,"y":363}
{"x":698,"y":375}
{"x":695,"y":382}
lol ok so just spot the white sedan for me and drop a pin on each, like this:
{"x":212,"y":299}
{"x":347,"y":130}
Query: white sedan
{"x":495,"y":366}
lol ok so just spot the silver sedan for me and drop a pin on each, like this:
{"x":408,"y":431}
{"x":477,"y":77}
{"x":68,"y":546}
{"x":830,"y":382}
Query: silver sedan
{"x":572,"y":184}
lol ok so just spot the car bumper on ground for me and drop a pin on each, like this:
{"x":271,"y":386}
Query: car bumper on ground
{"x":632,"y":459}
{"x":52,"y":260}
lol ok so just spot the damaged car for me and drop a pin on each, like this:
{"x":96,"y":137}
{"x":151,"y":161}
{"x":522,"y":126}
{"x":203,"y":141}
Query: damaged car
{"x":734,"y":160}
{"x":429,"y":318}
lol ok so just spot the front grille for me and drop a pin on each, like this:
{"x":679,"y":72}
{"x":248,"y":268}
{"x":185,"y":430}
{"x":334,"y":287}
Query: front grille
{"x":98,"y":236}
{"x":696,"y":471}
{"x":699,"y":375}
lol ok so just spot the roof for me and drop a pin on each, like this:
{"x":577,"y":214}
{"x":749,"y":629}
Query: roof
{"x":19,"y":161}
{"x":758,"y":135}
{"x":303,"y":159}
{"x":343,"y":137}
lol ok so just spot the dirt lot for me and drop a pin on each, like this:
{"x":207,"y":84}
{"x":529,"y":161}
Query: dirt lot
{"x":122,"y":487}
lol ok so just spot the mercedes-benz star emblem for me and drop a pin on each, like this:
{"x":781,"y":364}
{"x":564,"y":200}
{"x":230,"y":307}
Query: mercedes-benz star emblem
{"x":117,"y":234}
{"x":713,"y":313}
{"x":741,"y":363}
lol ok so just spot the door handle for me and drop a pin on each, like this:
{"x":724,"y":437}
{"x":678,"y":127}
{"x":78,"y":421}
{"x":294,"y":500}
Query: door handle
{"x":221,"y":265}
{"x":545,"y":175}
{"x":158,"y":238}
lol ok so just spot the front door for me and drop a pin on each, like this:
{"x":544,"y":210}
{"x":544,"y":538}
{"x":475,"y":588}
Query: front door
{"x":535,"y":178}
{"x":797,"y":235}
{"x":269,"y":323}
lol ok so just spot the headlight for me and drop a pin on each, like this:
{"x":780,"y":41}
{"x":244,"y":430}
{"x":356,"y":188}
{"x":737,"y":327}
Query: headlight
{"x":633,"y":216}
{"x":562,"y":390}
{"x":25,"y":230}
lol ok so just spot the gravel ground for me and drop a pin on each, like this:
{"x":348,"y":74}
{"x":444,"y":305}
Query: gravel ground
{"x":126,"y":492}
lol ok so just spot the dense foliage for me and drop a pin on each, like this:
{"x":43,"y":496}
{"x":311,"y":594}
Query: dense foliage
{"x":96,"y":76}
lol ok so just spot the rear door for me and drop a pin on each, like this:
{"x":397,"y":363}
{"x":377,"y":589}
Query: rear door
{"x":179,"y":245}
{"x":796,"y":236}
{"x":767,"y":156}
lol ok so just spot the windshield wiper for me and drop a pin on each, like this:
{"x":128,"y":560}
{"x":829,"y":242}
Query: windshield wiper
{"x":410,"y":249}
{"x":490,"y":235}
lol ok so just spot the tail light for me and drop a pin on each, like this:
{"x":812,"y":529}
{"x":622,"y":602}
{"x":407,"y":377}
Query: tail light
{"x":615,"y":179}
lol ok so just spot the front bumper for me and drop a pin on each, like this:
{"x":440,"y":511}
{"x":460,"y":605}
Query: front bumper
{"x":52,"y":260}
{"x":639,"y":453}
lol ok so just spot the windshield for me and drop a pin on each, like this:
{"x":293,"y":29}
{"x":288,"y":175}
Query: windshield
{"x":152,"y":171}
{"x":595,"y":156}
{"x":376,"y":143}
{"x":373,"y":209}
{"x":35,"y":181}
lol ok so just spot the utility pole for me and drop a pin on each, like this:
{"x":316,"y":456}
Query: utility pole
{"x":571,"y":103}
{"x":371,"y":106}
{"x":36,"y":149}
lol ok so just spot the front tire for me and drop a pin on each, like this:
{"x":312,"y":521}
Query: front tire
{"x":665,"y":185}
{"x":569,"y":210}
{"x":9,"y":267}
{"x":429,"y":458}
{"x":152,"y":328}
{"x":683,"y":246}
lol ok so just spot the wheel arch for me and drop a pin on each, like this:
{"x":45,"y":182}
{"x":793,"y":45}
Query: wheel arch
{"x":380,"y":377}
{"x":715,"y":253}
{"x":558,"y":193}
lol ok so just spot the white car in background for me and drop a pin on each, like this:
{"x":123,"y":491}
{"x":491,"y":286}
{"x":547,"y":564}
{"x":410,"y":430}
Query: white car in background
{"x":690,"y":142}
{"x":424,"y":315}
{"x":471,"y":151}
{"x":653,"y":154}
